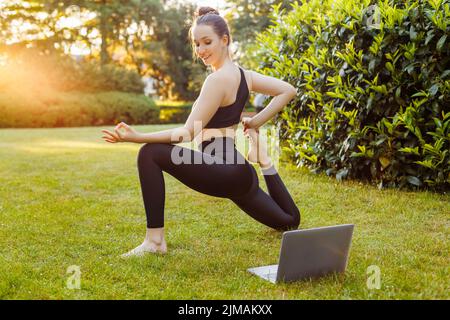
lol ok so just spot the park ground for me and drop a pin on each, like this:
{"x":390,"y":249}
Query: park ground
{"x":70,"y":204}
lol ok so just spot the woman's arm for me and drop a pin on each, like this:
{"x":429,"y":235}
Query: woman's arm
{"x":203,"y":109}
{"x":175,"y":135}
{"x":281,"y":91}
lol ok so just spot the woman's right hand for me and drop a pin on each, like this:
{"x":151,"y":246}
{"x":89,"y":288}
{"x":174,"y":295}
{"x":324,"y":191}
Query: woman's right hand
{"x":128,"y":134}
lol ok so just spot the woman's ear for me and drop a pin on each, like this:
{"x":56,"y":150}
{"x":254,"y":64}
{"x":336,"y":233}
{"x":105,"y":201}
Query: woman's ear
{"x":225,"y":39}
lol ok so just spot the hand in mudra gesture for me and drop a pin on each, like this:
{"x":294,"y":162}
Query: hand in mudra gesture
{"x":122,"y":133}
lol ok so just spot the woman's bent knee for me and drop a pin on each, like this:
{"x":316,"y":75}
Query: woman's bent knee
{"x":293,"y":224}
{"x":297,"y":218}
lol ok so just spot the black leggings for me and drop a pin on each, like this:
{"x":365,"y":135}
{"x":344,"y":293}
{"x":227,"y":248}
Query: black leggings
{"x":219,"y":170}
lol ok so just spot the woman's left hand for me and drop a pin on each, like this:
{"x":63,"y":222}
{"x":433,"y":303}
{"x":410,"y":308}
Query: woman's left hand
{"x":127,"y":135}
{"x":246,"y":123}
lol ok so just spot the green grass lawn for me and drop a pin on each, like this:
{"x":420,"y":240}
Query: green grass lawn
{"x":68,"y":198}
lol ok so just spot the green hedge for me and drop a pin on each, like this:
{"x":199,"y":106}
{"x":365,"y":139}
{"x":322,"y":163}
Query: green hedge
{"x":62,"y":73}
{"x":174,"y":114}
{"x":76,"y":109}
{"x":373,"y":88}
{"x":92,"y":77}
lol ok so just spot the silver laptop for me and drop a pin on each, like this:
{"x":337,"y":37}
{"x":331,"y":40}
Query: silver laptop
{"x":309,"y":253}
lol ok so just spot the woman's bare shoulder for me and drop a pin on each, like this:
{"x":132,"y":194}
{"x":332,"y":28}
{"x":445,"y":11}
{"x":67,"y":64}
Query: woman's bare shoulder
{"x":226,"y":74}
{"x":248,"y":77}
{"x":229,"y":76}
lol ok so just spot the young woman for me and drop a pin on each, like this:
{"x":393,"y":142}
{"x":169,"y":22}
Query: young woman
{"x":217,"y":169}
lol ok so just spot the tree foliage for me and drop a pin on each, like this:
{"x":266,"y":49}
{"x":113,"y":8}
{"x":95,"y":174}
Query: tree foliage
{"x":148,"y":36}
{"x":246,"y":19}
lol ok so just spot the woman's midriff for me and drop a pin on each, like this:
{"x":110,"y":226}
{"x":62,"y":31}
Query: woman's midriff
{"x":209,"y":133}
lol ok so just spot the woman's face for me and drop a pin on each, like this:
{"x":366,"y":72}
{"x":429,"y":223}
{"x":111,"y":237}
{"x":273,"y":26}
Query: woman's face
{"x":208,"y":46}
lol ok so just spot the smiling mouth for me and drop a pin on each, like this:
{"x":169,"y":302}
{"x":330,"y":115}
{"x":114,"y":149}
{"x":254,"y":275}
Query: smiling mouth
{"x":207,"y":57}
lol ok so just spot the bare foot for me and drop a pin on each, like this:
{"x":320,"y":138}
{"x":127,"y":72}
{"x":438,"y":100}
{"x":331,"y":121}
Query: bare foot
{"x":258,"y":149}
{"x":146,"y":247}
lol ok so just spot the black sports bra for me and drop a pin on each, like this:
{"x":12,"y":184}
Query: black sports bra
{"x":229,"y":115}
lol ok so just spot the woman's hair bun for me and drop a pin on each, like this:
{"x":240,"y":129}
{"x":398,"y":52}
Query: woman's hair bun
{"x":206,"y":10}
